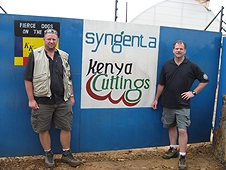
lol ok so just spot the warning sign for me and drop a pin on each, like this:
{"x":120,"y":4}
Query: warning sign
{"x":28,"y":36}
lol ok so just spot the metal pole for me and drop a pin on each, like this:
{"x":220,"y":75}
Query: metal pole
{"x":212,"y":20}
{"x":116,"y":9}
{"x":3,"y":10}
{"x":126,"y":10}
{"x":221,"y":20}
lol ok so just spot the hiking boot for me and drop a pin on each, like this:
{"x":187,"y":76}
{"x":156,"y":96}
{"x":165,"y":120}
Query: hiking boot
{"x":49,"y":162}
{"x":171,"y":153}
{"x":182,"y":163}
{"x":67,"y":157}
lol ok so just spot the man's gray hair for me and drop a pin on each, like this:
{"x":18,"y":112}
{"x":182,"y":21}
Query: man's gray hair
{"x":179,"y":42}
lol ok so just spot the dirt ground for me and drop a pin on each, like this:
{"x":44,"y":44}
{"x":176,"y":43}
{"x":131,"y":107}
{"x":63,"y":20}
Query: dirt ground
{"x":199,"y":157}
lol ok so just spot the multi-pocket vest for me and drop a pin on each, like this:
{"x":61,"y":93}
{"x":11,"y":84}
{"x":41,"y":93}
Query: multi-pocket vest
{"x":41,"y":75}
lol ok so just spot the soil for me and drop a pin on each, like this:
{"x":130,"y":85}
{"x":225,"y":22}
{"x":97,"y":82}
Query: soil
{"x":199,"y":157}
{"x":220,"y":136}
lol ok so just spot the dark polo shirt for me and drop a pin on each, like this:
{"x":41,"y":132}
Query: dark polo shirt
{"x":178,"y":79}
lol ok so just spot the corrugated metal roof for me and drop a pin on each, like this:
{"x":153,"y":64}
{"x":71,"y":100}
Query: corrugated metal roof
{"x":178,"y":13}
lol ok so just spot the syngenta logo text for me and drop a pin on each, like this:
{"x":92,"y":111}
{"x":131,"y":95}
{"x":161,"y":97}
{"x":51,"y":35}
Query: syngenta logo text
{"x":118,"y":41}
{"x":103,"y":81}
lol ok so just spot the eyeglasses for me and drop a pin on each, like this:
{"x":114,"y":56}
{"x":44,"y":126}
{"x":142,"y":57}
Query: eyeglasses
{"x":50,"y":31}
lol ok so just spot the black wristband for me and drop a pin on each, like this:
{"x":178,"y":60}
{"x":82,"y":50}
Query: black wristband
{"x":194,"y":93}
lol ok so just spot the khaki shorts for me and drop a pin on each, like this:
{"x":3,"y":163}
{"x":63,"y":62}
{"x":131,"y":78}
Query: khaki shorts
{"x":176,"y":117}
{"x":60,"y":115}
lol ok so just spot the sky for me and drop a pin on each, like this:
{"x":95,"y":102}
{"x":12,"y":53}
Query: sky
{"x":103,"y":10}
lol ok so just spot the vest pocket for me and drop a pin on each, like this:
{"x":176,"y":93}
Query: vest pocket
{"x":41,"y":85}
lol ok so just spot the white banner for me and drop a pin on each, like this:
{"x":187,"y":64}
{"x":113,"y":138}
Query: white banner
{"x":119,"y":64}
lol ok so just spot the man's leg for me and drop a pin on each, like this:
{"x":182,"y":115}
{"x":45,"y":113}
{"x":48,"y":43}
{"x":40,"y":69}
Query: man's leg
{"x":183,"y":122}
{"x":183,"y":139}
{"x":168,"y":120}
{"x":65,"y":139}
{"x":172,"y":152}
{"x":63,"y":120}
{"x":67,"y":157}
{"x":45,"y":140}
{"x":46,"y":144}
{"x":173,"y":135}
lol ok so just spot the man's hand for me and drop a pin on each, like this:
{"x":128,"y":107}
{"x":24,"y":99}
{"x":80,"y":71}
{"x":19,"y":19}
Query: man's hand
{"x":154,"y":104}
{"x":33,"y":104}
{"x":72,"y":100}
{"x":187,"y":95}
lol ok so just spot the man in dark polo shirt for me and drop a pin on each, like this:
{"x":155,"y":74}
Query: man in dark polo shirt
{"x":176,"y":79}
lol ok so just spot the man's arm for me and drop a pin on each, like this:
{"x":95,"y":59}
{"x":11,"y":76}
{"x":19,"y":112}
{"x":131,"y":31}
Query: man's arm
{"x":72,"y":98}
{"x":189,"y":94}
{"x":29,"y":89}
{"x":158,"y":94}
{"x":200,"y":87}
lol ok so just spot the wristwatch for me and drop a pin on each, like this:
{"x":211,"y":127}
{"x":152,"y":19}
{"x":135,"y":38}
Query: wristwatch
{"x":194,"y":93}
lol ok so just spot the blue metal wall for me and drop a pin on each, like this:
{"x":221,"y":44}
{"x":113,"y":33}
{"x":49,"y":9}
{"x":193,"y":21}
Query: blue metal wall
{"x":100,"y":129}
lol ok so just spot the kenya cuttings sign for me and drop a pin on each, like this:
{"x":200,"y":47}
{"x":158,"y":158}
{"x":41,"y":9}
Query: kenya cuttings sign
{"x":119,"y":64}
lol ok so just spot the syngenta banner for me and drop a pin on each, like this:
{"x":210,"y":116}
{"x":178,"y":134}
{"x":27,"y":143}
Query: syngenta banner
{"x":119,"y":64}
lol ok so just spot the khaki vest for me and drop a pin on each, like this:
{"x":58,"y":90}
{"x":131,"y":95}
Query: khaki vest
{"x":41,"y":75}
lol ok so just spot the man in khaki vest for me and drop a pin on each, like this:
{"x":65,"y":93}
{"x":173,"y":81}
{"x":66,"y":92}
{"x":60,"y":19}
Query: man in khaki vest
{"x":49,"y":89}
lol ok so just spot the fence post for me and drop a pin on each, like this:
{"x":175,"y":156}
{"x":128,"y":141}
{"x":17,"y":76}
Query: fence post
{"x":222,"y":84}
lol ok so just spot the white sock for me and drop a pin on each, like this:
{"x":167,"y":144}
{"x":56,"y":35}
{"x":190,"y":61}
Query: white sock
{"x":47,"y":150}
{"x":173,"y":146}
{"x":66,"y":149}
{"x":182,"y":153}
